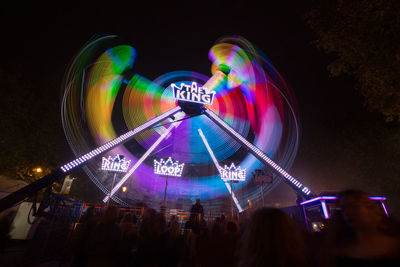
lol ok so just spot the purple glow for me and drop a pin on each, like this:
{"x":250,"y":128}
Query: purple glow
{"x":305,"y":216}
{"x":325,"y":209}
{"x":377,"y":198}
{"x":334,"y":197}
{"x":143,"y":158}
{"x":384,"y":208}
{"x":318,"y":198}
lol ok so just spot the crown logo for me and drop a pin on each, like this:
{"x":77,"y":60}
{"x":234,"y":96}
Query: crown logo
{"x":168,"y":168}
{"x":232,"y":173}
{"x":193,"y":93}
{"x":116,"y":164}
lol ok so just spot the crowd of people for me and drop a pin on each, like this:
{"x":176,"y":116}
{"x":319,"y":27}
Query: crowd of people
{"x":358,"y":234}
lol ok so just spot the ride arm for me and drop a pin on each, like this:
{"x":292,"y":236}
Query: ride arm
{"x":57,"y":174}
{"x":259,"y":154}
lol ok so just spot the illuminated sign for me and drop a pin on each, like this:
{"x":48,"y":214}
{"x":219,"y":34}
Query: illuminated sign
{"x":257,"y":152}
{"x":261,"y":178}
{"x":232,"y":173}
{"x":193,"y":93}
{"x":168,"y":168}
{"x":117,"y":164}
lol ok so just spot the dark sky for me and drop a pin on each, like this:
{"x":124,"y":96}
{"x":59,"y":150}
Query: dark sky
{"x":168,"y":37}
{"x":44,"y":39}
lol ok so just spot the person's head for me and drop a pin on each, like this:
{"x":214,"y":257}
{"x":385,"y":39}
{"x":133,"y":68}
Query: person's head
{"x":173,"y":218}
{"x":134,"y":219}
{"x":272,"y":239}
{"x":142,"y":207}
{"x":90,"y":211}
{"x":110,"y":215}
{"x":159,"y":223}
{"x":148,"y":213}
{"x":198,"y":201}
{"x":360,"y":212}
{"x":231,"y":227}
{"x":127,"y":218}
{"x":174,"y":229}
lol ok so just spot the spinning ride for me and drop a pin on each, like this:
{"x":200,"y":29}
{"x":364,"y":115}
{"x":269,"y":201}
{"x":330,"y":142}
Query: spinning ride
{"x":243,"y":114}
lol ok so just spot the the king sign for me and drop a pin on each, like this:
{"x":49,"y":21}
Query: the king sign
{"x":232,"y":173}
{"x":117,"y":164}
{"x":193,"y":93}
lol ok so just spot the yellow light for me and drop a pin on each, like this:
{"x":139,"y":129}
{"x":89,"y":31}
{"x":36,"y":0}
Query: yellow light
{"x":124,"y":189}
{"x":38,"y":169}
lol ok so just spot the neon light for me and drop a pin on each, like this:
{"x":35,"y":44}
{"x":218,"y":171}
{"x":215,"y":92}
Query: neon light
{"x":334,"y":197}
{"x":377,"y":198}
{"x":232,"y":173}
{"x":119,"y":140}
{"x":305,"y":190}
{"x":193,"y":93}
{"x":384,"y":208}
{"x":168,"y":168}
{"x":318,"y":198}
{"x":218,"y":168}
{"x":256,"y":151}
{"x":325,"y":209}
{"x":116,"y":164}
{"x":143,"y":158}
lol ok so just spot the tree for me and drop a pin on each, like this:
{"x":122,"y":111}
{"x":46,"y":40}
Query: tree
{"x":31,"y":134}
{"x":364,"y":37}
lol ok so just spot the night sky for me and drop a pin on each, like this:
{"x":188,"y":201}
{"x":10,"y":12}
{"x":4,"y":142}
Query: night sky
{"x":42,"y":40}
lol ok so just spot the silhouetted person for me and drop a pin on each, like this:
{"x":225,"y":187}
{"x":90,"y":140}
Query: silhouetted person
{"x":361,"y":234}
{"x":153,"y":240}
{"x":272,"y":239}
{"x":175,"y":244}
{"x":105,"y":240}
{"x":81,"y":242}
{"x":129,"y":238}
{"x":197,"y":210}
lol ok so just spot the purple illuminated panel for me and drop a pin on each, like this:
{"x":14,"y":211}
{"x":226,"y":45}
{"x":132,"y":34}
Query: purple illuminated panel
{"x":325,"y":209}
{"x":321,"y":200}
{"x":318,"y":198}
{"x":334,"y":197}
{"x":377,"y":198}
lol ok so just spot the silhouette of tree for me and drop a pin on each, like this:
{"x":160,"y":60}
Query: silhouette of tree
{"x":31,"y":134}
{"x":364,"y":37}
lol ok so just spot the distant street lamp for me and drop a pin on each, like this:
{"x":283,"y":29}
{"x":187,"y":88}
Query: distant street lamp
{"x":124,"y":188}
{"x":38,"y":170}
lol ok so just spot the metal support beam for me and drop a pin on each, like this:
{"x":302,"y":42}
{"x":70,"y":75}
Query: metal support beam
{"x":57,"y":174}
{"x":259,"y":154}
{"x":228,"y":186}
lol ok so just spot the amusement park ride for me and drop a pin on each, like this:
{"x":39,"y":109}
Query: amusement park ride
{"x":243,"y":117}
